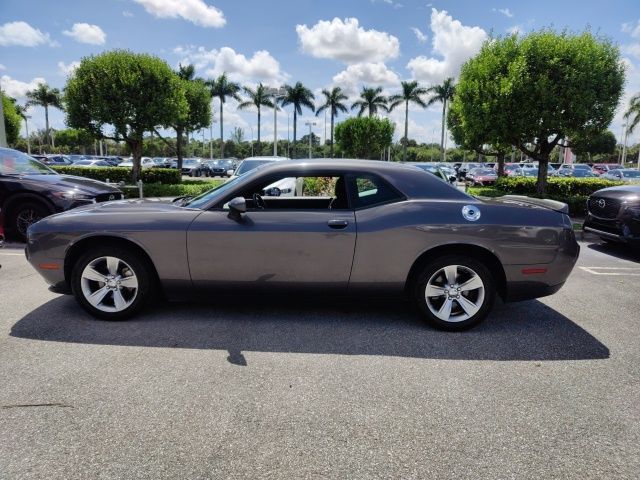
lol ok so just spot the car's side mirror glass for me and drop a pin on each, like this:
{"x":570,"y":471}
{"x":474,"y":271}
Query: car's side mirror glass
{"x":272,"y":192}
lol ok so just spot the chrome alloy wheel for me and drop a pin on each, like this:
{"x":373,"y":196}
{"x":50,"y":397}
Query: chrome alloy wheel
{"x":109,"y":284}
{"x":25,"y":219}
{"x":454,"y":293}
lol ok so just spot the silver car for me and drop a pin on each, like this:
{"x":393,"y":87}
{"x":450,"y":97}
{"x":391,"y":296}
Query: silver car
{"x":351,"y":226}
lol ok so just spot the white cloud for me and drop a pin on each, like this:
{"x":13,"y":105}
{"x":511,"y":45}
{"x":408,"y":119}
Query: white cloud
{"x":453,"y":42}
{"x":86,"y":33}
{"x":127,"y":13}
{"x":67,"y":70}
{"x":632,"y":49}
{"x":195,"y":11}
{"x":347,"y":41}
{"x":517,"y":29}
{"x":504,"y":11}
{"x":422,"y":38}
{"x":390,"y":3}
{"x":24,"y":35}
{"x":373,"y":74}
{"x":17,"y":89}
{"x":630,"y":28}
{"x":259,"y":67}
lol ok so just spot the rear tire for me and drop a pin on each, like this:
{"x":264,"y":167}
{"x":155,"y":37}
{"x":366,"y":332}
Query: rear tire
{"x":111,"y":283}
{"x":454,"y":292}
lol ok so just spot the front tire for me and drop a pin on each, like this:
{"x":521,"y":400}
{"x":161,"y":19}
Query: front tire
{"x":111,"y":283}
{"x":21,"y":217}
{"x":454,"y":292}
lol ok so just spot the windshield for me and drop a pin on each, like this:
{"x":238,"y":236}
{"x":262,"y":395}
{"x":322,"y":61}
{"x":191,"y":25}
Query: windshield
{"x":631,"y":174}
{"x":203,"y":199}
{"x":248,"y":165}
{"x":13,"y":162}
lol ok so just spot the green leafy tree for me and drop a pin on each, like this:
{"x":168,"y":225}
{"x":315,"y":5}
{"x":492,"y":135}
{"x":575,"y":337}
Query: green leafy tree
{"x":260,"y":97}
{"x":128,"y":92}
{"x":297,"y":96}
{"x":411,"y":93}
{"x":364,"y":137}
{"x":533,"y":91}
{"x":371,"y":99}
{"x":223,"y":88}
{"x":599,"y":143}
{"x":442,"y":93}
{"x":22,"y":111}
{"x":45,"y":97}
{"x":333,"y":101}
{"x":74,"y":139}
{"x":12,"y":119}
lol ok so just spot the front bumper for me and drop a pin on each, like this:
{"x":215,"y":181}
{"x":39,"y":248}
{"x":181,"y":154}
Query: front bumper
{"x":624,"y":229}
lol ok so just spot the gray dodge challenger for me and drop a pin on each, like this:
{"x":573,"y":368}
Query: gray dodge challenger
{"x":339,"y":227}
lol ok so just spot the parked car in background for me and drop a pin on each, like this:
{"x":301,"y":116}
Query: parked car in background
{"x":219,"y":167}
{"x":580,"y":173}
{"x":436,"y":170}
{"x":251,"y":163}
{"x":623,"y":175}
{"x":56,"y":160}
{"x":76,"y":157}
{"x":481,"y":176}
{"x":466,"y":167}
{"x":161,"y":162}
{"x":91,"y":163}
{"x":145,"y":162}
{"x":30,"y":191}
{"x":567,"y":169}
{"x":614,"y":214}
{"x":510,"y":168}
{"x":602,"y":168}
{"x":448,"y":169}
{"x":191,"y":167}
{"x":525,"y":172}
{"x":119,"y":255}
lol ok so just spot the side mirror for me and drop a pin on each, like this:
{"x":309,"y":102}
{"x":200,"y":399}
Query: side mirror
{"x":273,"y":192}
{"x":453,"y":179}
{"x":237,"y":206}
{"x":229,"y":173}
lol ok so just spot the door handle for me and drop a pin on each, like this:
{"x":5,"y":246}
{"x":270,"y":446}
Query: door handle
{"x":337,"y":223}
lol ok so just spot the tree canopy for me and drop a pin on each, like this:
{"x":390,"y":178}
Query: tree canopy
{"x":121,"y":94}
{"x":533,"y":91}
{"x":364,"y":137}
{"x":12,"y":119}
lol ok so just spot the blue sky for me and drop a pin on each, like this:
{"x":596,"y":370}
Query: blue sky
{"x":321,"y":43}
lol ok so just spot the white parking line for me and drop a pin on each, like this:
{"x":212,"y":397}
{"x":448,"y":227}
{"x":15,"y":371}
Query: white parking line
{"x":613,"y":271}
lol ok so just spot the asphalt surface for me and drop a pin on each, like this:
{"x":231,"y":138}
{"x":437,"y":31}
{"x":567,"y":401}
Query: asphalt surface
{"x":323,"y":388}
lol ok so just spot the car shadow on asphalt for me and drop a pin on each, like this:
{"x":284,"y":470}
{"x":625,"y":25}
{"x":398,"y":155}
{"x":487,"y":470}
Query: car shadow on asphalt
{"x":618,"y":250}
{"x":528,"y":331}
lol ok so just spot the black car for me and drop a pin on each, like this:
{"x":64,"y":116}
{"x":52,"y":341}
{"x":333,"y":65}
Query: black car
{"x":62,"y":160}
{"x":191,"y":167}
{"x":30,"y":191}
{"x":614,"y":214}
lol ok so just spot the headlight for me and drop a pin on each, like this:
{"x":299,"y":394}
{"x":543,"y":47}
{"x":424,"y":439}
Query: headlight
{"x":71,"y":195}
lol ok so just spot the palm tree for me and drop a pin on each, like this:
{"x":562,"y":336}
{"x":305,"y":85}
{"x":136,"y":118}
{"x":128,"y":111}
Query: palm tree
{"x":44,"y":96}
{"x":298,"y":96}
{"x":260,"y":97}
{"x":186,"y":72}
{"x":411,"y":93}
{"x":632,"y":115}
{"x":442,"y":93}
{"x":222,"y":88}
{"x":371,"y":99}
{"x":333,"y":102}
{"x":22,"y":111}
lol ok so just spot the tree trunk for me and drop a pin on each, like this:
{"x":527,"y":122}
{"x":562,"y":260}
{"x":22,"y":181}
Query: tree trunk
{"x":26,"y":126}
{"x":500,"y":159}
{"x":179,"y":148}
{"x":221,"y":130}
{"x":46,"y":123}
{"x":295,"y":124}
{"x":331,"y":146}
{"x":136,"y":152}
{"x":444,"y":109}
{"x":406,"y":130}
{"x":543,"y":166}
{"x":259,"y":147}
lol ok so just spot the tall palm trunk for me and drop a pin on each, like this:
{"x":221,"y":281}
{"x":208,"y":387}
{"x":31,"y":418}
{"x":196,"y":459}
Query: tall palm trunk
{"x":179,"y":153}
{"x":259,"y":147}
{"x":26,"y":126}
{"x":406,"y":131}
{"x":331,"y":147}
{"x":221,"y":129}
{"x":46,"y":123}
{"x":444,"y":109}
{"x":295,"y":123}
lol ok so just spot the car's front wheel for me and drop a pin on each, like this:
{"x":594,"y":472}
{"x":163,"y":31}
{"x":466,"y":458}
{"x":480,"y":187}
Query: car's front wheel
{"x":454,"y":292}
{"x":21,"y":217}
{"x":111,"y":283}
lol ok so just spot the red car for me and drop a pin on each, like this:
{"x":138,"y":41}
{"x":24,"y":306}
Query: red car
{"x":481,"y":176}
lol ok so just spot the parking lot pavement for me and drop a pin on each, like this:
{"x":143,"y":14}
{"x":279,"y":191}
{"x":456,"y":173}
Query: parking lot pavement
{"x":323,"y":388}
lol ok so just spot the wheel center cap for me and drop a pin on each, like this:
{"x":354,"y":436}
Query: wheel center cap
{"x":111,"y":283}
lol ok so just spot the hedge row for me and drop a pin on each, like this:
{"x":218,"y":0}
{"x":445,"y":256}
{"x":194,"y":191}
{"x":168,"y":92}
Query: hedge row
{"x":576,"y":203}
{"x":176,"y":190}
{"x":556,"y":186}
{"x":122,"y":174}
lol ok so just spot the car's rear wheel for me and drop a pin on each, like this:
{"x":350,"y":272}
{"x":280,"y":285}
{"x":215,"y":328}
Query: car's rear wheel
{"x":111,"y":283}
{"x":454,"y":292}
{"x":21,"y":217}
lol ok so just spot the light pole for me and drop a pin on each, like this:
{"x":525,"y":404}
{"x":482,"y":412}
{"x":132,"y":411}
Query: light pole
{"x":310,"y":124}
{"x":277,"y":94}
{"x":251,"y":139}
{"x":623,"y":158}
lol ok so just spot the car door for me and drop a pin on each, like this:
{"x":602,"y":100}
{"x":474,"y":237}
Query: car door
{"x":264,"y":249}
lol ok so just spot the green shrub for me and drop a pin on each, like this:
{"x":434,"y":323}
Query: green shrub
{"x":175,"y":190}
{"x":557,"y":186}
{"x":121,"y":174}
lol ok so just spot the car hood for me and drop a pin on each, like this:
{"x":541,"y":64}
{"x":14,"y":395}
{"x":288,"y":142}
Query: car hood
{"x":128,"y":206}
{"x":71,"y":182}
{"x":522,"y":201}
{"x":622,"y":192}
